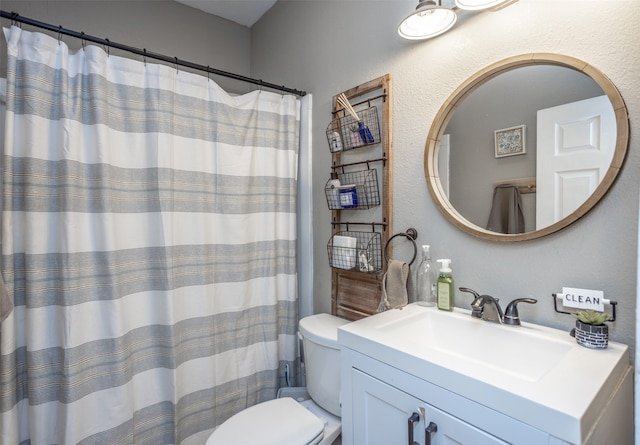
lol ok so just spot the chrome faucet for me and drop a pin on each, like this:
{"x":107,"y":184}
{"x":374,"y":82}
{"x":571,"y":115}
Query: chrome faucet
{"x":488,"y":308}
{"x":478,"y":302}
{"x":491,"y":310}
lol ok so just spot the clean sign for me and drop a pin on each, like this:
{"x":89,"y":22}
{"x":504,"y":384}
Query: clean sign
{"x":583,"y":298}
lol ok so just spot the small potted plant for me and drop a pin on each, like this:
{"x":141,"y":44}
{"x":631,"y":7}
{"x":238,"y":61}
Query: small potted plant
{"x":591,"y":330}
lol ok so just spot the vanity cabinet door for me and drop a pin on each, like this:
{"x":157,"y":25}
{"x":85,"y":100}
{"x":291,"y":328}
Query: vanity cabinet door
{"x":384,"y":415}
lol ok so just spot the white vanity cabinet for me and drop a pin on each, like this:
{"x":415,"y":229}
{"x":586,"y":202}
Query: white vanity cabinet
{"x":384,"y":415}
{"x":396,"y":383}
{"x":378,"y":400}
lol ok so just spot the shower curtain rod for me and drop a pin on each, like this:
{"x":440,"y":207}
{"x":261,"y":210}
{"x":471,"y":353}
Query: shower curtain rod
{"x":144,"y":53}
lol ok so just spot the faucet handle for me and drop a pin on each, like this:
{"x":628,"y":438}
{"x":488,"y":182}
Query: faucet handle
{"x":511,"y":316}
{"x":471,"y":291}
{"x":476,"y":309}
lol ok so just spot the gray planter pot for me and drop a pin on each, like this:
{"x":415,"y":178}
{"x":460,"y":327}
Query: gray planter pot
{"x":590,"y":336}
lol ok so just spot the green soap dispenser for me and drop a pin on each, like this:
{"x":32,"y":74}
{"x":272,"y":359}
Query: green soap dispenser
{"x":445,"y":286}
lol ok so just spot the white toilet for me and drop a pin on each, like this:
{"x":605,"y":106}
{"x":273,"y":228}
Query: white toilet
{"x":285,"y":421}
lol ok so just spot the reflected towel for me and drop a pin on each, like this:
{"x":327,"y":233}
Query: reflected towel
{"x":6,"y":305}
{"x":394,"y":286}
{"x":506,"y":212}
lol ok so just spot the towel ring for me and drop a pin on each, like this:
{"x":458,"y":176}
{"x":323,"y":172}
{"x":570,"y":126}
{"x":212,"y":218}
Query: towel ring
{"x":411,"y":234}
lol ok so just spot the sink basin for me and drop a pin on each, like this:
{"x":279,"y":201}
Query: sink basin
{"x":519,"y":351}
{"x":532,"y":373}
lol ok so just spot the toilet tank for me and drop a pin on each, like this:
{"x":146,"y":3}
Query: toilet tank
{"x":322,"y":359}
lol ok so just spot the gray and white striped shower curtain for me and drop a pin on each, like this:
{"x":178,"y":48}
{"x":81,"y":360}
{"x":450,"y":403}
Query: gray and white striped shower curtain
{"x":148,"y":244}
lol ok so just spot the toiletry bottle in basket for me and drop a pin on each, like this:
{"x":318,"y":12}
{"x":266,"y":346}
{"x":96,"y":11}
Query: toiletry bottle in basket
{"x":333,"y":191}
{"x":336,"y":142}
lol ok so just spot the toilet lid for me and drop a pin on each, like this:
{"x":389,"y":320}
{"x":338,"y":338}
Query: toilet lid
{"x":322,"y":329}
{"x":276,"y":422}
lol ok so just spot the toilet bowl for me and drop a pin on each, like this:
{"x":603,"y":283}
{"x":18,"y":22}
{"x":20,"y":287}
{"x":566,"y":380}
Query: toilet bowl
{"x":285,"y":421}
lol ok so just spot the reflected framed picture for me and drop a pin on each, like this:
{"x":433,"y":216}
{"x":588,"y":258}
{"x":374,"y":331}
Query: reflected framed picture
{"x":510,"y":141}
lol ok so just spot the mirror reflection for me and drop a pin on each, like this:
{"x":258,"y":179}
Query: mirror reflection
{"x":521,"y":100}
{"x":525,"y":150}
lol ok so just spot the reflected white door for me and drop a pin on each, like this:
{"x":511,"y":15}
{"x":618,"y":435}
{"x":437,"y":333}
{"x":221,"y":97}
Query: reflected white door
{"x":575,"y":145}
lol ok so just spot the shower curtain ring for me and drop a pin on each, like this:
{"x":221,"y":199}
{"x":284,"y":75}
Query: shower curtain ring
{"x":208,"y":72}
{"x":144,"y":56}
{"x":14,"y":20}
{"x":82,"y":39}
{"x":59,"y":34}
{"x":177,"y":69}
{"x":107,"y":48}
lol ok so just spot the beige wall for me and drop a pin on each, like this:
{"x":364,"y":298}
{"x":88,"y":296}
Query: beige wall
{"x":327,"y":46}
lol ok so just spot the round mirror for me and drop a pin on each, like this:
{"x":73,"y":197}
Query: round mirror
{"x":526,"y":147}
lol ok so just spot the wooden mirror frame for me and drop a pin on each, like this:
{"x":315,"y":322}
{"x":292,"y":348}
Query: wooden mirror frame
{"x":446,"y":112}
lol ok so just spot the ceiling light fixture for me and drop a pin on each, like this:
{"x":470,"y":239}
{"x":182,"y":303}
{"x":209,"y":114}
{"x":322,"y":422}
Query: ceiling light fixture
{"x":430,"y":19}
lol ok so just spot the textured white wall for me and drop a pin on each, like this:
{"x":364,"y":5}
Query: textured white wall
{"x":329,"y":46}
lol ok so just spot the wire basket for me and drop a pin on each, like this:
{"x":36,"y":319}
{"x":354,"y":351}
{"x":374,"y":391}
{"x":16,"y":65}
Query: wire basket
{"x":346,"y":133}
{"x":359,"y":251}
{"x":358,"y":190}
